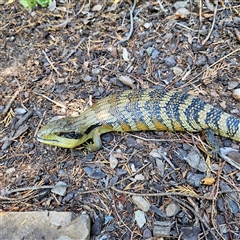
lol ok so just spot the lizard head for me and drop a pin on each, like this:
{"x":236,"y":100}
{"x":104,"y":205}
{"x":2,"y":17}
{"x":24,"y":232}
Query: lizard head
{"x":62,"y":133}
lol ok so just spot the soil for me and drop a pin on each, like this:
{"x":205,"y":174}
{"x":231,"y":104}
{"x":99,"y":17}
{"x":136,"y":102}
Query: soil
{"x":57,"y":63}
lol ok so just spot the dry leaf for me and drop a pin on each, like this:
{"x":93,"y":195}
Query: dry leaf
{"x":127,"y":81}
{"x":208,"y":181}
{"x":208,"y":15}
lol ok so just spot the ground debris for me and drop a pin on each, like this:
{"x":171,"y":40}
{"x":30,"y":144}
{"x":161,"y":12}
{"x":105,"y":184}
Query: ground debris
{"x":57,"y":63}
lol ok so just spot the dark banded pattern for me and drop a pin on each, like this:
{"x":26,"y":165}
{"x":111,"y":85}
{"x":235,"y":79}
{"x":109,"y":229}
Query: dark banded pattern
{"x":137,"y":110}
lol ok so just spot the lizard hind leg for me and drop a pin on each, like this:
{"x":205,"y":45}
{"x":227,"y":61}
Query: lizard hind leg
{"x":211,"y":140}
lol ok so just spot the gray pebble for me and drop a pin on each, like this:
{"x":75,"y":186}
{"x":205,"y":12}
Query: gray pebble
{"x":20,"y":111}
{"x":87,"y":78}
{"x":121,"y":172}
{"x":147,"y":234}
{"x":161,"y":228}
{"x":180,"y":4}
{"x":194,"y":179}
{"x":170,"y":61}
{"x":196,"y":47}
{"x":94,"y":173}
{"x":155,"y":54}
{"x":190,"y":233}
{"x":201,"y":60}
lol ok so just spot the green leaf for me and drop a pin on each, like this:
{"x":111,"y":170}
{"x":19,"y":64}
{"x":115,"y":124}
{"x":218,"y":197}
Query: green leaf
{"x":44,"y":3}
{"x":28,"y":3}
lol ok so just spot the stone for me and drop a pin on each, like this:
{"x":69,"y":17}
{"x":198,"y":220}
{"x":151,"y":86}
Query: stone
{"x":141,"y":203}
{"x":44,"y":225}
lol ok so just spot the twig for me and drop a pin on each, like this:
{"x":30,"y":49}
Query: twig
{"x":163,"y":194}
{"x":5,"y":110}
{"x":57,"y":103}
{"x":49,"y":99}
{"x":153,"y":139}
{"x":161,"y":6}
{"x":213,"y":23}
{"x":167,"y":160}
{"x":131,"y":29}
{"x":49,"y":61}
{"x":28,"y":189}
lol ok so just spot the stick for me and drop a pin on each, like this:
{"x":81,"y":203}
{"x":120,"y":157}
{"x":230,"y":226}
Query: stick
{"x":131,"y":29}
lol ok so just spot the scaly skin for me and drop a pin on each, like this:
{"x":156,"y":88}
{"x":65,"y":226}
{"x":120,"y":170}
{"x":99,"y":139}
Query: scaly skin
{"x":137,"y":110}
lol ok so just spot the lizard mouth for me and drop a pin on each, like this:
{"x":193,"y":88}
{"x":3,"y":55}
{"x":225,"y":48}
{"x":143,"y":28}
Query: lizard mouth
{"x":45,"y":141}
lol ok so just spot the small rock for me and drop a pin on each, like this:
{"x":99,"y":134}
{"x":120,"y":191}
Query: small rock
{"x":131,"y":142}
{"x":110,"y":228}
{"x":147,"y":25}
{"x":87,"y":78}
{"x":139,"y":217}
{"x":125,"y":54}
{"x":139,"y":177}
{"x":160,"y":166}
{"x":12,"y":39}
{"x":113,"y":161}
{"x":161,"y":228}
{"x":20,"y":111}
{"x":154,"y":153}
{"x":97,"y":8}
{"x":182,"y":13}
{"x":60,"y":188}
{"x":121,"y":172}
{"x":155,"y":53}
{"x":201,"y":60}
{"x":126,"y":80}
{"x":221,"y":204}
{"x":170,"y":61}
{"x":232,"y":84}
{"x":94,"y":173}
{"x":61,"y":80}
{"x":172,"y":209}
{"x":194,"y":179}
{"x":177,"y":71}
{"x":195,"y":161}
{"x":149,"y":50}
{"x":89,"y":157}
{"x":141,"y":203}
{"x":238,"y":176}
{"x":225,"y":187}
{"x":10,"y":170}
{"x":147,"y":234}
{"x":236,"y":94}
{"x":236,"y":20}
{"x":108,"y":219}
{"x":96,"y":226}
{"x":180,"y":4}
{"x":70,"y":196}
{"x":190,"y":233}
{"x":196,"y":47}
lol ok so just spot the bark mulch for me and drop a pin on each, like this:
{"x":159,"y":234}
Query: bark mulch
{"x":56,"y":63}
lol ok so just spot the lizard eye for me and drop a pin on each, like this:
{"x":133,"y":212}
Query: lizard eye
{"x":71,"y":135}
